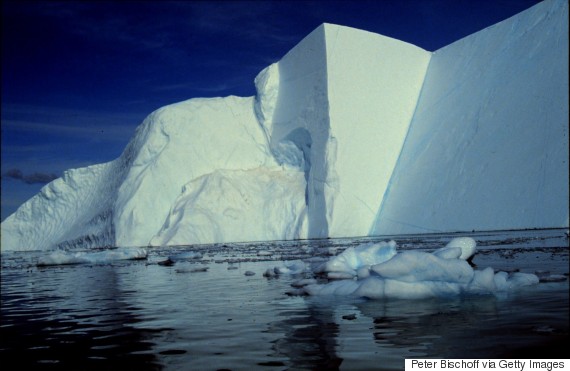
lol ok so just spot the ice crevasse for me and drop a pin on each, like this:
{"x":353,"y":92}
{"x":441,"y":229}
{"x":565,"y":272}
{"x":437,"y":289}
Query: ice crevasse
{"x":350,"y":134}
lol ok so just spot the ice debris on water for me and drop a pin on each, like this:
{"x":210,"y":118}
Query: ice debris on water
{"x":61,"y":257}
{"x":545,"y":276}
{"x":173,"y":259}
{"x":188,"y":255}
{"x":292,"y":267}
{"x":378,"y":271}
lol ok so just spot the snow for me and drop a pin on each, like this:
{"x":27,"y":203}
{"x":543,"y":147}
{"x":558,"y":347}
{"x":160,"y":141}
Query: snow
{"x":350,"y":134}
{"x":412,"y":274}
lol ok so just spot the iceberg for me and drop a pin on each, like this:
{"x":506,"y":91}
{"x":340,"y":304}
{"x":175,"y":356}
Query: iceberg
{"x":350,"y":134}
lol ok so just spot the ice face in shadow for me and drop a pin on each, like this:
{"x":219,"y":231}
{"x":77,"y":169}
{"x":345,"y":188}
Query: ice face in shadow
{"x":413,"y":274}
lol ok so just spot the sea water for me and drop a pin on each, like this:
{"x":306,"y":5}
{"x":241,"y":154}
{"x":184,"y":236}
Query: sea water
{"x":213,"y":309}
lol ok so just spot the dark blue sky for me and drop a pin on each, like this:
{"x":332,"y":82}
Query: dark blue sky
{"x":78,"y":77}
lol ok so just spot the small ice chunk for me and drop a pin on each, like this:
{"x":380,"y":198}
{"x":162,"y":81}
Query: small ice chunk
{"x":519,"y":279}
{"x":99,"y":257}
{"x":353,"y":258}
{"x":553,"y":278}
{"x":339,"y":276}
{"x":339,"y":288}
{"x":188,"y":255}
{"x":483,"y":282}
{"x":371,"y":287}
{"x":448,"y":252}
{"x":249,"y":273}
{"x":293,"y":267}
{"x":467,"y":244}
{"x":415,"y":266}
{"x":378,"y":288}
{"x":500,"y":279}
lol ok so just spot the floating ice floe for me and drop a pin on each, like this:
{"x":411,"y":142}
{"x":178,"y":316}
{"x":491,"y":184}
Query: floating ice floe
{"x":377,"y":271}
{"x":292,"y":267}
{"x":172,"y":259}
{"x":348,"y":263}
{"x":99,"y":257}
{"x":188,"y":255}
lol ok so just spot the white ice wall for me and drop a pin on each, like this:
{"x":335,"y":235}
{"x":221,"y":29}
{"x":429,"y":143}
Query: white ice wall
{"x":179,"y":143}
{"x":76,"y":209}
{"x":373,"y":86}
{"x":339,"y":105}
{"x":488,"y":145}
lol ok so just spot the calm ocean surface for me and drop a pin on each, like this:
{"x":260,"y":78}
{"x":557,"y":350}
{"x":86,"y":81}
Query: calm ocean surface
{"x":140,"y":315}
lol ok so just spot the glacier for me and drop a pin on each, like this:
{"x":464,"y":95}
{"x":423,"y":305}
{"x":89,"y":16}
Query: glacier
{"x":351,"y":133}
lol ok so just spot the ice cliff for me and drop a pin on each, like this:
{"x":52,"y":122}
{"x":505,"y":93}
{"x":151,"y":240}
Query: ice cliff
{"x":351,"y":133}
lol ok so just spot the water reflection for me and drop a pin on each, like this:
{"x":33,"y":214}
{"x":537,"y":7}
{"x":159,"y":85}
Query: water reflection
{"x":360,"y":334}
{"x":429,"y":323}
{"x":71,"y":318}
{"x":474,"y":327}
{"x":309,"y":339}
{"x":140,"y":315}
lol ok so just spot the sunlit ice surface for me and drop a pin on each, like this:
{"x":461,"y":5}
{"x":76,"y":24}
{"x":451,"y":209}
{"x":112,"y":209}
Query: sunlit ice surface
{"x":215,"y":307}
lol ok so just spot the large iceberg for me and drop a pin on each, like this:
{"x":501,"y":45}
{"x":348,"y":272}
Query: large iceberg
{"x":350,"y":134}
